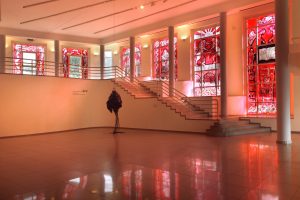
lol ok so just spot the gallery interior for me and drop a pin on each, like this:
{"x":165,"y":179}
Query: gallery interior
{"x":210,"y":99}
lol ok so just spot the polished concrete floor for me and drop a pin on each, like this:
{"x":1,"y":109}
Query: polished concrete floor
{"x":94,"y":164}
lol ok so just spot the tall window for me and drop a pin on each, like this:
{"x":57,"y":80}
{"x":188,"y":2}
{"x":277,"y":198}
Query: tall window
{"x":125,"y":60}
{"x":161,"y":58}
{"x":28,"y":59}
{"x":261,"y":65}
{"x":108,"y":61}
{"x":75,"y":63}
{"x":207,"y":62}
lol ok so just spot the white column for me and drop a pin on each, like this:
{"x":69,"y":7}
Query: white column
{"x":56,"y":57}
{"x":282,"y":72}
{"x":2,"y":53}
{"x":171,"y":61}
{"x":223,"y":22}
{"x":132,"y":60}
{"x":102,"y":60}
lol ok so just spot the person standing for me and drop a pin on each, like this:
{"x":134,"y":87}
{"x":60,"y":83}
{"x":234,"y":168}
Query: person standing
{"x":114,"y":103}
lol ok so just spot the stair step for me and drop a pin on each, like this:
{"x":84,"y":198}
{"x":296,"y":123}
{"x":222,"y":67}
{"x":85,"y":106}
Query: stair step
{"x":149,"y":89}
{"x":236,"y":128}
{"x":239,"y":132}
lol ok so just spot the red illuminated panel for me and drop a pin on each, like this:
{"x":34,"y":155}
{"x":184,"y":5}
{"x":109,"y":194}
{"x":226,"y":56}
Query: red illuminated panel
{"x":125,"y":60}
{"x":82,"y":69}
{"x":261,"y":65}
{"x":207,"y":62}
{"x":39,"y":51}
{"x":161,"y":58}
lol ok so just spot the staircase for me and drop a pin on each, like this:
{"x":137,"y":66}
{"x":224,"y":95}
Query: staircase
{"x":160,"y":90}
{"x":134,"y":89}
{"x":190,"y":108}
{"x":180,"y":103}
{"x":185,"y":109}
{"x":235,"y":126}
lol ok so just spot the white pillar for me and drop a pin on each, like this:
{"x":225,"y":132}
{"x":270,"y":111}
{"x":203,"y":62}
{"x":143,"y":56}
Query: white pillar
{"x":223,"y":22}
{"x":132,"y":60}
{"x":282,"y":72}
{"x":2,"y":53}
{"x":102,"y":60}
{"x":56,"y":57}
{"x":171,"y":60}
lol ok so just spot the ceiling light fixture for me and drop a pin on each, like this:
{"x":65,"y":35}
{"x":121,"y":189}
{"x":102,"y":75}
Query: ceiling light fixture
{"x":142,"y":7}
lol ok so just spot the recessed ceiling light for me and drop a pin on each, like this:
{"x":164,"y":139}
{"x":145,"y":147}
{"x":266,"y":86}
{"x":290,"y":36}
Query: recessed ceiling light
{"x":142,"y":7}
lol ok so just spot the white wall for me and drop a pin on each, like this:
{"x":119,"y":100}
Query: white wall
{"x":35,"y":104}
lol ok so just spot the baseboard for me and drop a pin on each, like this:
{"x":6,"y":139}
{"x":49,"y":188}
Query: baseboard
{"x":78,"y":129}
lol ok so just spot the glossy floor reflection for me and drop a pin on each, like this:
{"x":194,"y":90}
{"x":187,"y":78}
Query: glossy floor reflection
{"x":94,"y":164}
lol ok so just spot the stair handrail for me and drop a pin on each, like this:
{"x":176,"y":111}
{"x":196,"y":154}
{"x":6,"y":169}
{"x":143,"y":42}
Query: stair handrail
{"x":164,"y":91}
{"x":179,"y":96}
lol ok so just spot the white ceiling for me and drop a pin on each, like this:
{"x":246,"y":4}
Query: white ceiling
{"x":102,"y":18}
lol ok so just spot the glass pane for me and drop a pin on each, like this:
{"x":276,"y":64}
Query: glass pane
{"x":266,"y":35}
{"x":29,"y":63}
{"x":261,"y":78}
{"x":161,"y":58}
{"x":75,"y":66}
{"x":207,"y":61}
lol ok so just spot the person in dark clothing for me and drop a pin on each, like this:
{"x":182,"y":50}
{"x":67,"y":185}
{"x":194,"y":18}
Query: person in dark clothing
{"x":114,"y":103}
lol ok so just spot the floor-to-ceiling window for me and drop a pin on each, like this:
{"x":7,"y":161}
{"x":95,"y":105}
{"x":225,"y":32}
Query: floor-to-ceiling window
{"x":125,"y":60}
{"x":75,"y":63}
{"x":28,"y":59}
{"x":261,"y":65}
{"x":161,"y":58}
{"x":207,"y":62}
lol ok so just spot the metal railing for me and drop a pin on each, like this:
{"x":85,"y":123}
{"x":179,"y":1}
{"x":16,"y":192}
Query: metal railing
{"x":200,"y":105}
{"x":204,"y":107}
{"x":10,"y":65}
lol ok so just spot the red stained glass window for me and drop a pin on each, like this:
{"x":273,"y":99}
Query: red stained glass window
{"x":207,"y":62}
{"x":261,"y":65}
{"x":75,"y":63}
{"x":28,"y":59}
{"x":125,"y":60}
{"x":161,"y":58}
